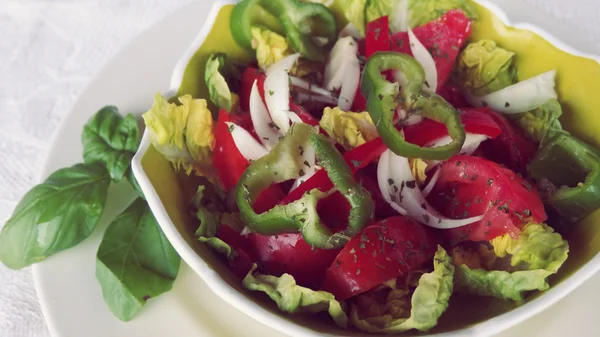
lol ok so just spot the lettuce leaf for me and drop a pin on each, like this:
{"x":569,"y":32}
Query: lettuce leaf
{"x":182,"y":134}
{"x":216,"y":76}
{"x":354,"y":10}
{"x":294,"y":299}
{"x":350,"y":129}
{"x":483,"y":68}
{"x":542,"y":123}
{"x":429,"y":301}
{"x":270,"y":47}
{"x":420,"y":12}
{"x":538,"y":253}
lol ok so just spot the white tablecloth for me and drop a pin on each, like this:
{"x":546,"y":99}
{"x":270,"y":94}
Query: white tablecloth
{"x":49,"y":50}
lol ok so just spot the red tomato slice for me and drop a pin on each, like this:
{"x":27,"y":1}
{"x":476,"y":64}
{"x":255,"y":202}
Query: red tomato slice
{"x":241,"y":262}
{"x":248,"y":77}
{"x":512,"y":148}
{"x":289,"y":253}
{"x":443,"y":38}
{"x":227,"y":159}
{"x":377,"y":36}
{"x":380,"y":253}
{"x":454,"y":96}
{"x":471,"y":186}
{"x":476,"y":121}
{"x":306,"y":117}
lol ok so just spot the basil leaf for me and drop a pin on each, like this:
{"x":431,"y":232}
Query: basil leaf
{"x":111,"y":139}
{"x":135,"y":261}
{"x":55,"y":215}
{"x":134,"y":183}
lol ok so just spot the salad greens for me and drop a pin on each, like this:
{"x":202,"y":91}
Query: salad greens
{"x":270,"y":47}
{"x":292,"y":298}
{"x":428,"y":301}
{"x":182,"y":133}
{"x":483,"y":68}
{"x":350,"y":129}
{"x":55,"y":215}
{"x":537,"y":253}
{"x":135,"y":261}
{"x":542,"y":123}
{"x":219,"y":72}
{"x":112,"y":140}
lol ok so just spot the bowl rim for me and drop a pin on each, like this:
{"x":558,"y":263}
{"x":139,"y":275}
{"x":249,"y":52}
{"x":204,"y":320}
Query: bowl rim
{"x":277,"y":321}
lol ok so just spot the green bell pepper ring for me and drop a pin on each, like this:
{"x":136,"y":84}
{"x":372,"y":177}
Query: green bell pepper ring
{"x":568,"y":173}
{"x":301,"y":21}
{"x":285,"y":162}
{"x":383,"y":97}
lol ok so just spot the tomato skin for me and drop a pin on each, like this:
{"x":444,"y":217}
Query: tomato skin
{"x":381,"y":252}
{"x":377,"y":36}
{"x":512,"y":148}
{"x":241,"y":262}
{"x":476,"y":121}
{"x":470,"y":186}
{"x":289,"y":253}
{"x":248,"y":77}
{"x":453,"y":95}
{"x":443,"y":38}
{"x":227,"y":159}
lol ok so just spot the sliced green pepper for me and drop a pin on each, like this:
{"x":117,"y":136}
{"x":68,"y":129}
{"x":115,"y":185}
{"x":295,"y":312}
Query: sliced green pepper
{"x":568,"y":173}
{"x":285,"y":162}
{"x":302,"y":23}
{"x":383,"y":97}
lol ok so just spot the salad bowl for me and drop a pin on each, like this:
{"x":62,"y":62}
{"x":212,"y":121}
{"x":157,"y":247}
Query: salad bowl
{"x":168,"y":193}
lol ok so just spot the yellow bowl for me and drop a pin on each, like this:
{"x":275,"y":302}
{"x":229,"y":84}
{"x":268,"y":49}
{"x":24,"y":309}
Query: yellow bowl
{"x":578,"y":84}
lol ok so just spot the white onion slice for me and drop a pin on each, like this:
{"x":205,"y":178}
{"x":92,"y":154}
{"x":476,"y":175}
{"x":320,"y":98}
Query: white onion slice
{"x":521,"y":97}
{"x":411,"y":199}
{"x":400,"y":17}
{"x":412,"y":120}
{"x":350,"y":30}
{"x":343,"y":71}
{"x":383,"y":180}
{"x":431,"y":184}
{"x":263,"y":124}
{"x":303,"y":98}
{"x":422,"y":55}
{"x":472,"y":142}
{"x":310,"y":158}
{"x":277,"y":91}
{"x":315,"y":89}
{"x":294,"y":117}
{"x":249,"y":147}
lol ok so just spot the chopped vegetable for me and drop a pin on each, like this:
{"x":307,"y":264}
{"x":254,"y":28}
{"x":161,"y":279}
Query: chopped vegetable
{"x":270,"y":47}
{"x":183,"y":134}
{"x":541,"y":123}
{"x":216,"y":77}
{"x":350,"y":129}
{"x":342,"y":71}
{"x":422,"y":55}
{"x":383,"y":251}
{"x":521,"y":97}
{"x":285,"y":162}
{"x":354,"y":10}
{"x":428,"y":302}
{"x":301,"y":21}
{"x":483,"y":68}
{"x":381,"y":100}
{"x":277,"y":92}
{"x":537,"y":253}
{"x":568,"y":173}
{"x":294,"y":299}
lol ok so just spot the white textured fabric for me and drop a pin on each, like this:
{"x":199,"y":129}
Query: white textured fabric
{"x":49,"y":50}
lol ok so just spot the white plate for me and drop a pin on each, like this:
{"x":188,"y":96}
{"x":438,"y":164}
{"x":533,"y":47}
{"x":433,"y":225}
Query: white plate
{"x":69,"y":294}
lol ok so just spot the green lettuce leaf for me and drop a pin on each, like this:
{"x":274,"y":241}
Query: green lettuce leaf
{"x":420,"y":12}
{"x":354,"y":10}
{"x":219,"y":75}
{"x":183,"y":134}
{"x":483,"y":68}
{"x":429,"y":301}
{"x":270,"y":47}
{"x":542,"y":123}
{"x":538,"y":253}
{"x":350,"y":129}
{"x":294,"y":299}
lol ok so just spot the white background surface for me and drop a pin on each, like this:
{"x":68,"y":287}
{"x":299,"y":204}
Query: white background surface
{"x":49,"y":50}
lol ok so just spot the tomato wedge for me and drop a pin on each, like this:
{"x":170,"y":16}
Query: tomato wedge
{"x":289,"y":253}
{"x":227,"y":159}
{"x":382,"y":252}
{"x":249,"y":76}
{"x":512,"y":148}
{"x":443,"y":38}
{"x":471,"y":186}
{"x":377,"y":36}
{"x":476,"y":121}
